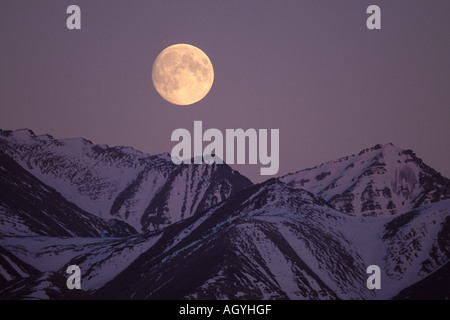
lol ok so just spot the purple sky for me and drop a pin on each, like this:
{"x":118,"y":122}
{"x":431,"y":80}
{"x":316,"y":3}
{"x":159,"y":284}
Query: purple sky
{"x":309,"y":68}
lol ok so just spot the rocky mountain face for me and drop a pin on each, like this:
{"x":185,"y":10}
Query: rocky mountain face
{"x":147,"y":192}
{"x":380,"y":181}
{"x":211,"y":234}
{"x":269,"y":241}
{"x":275,"y":242}
{"x":434,"y":287}
{"x":266,"y":242}
{"x":28,"y":207}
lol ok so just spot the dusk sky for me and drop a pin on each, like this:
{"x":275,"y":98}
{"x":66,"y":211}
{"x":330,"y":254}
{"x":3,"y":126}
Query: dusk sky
{"x":311,"y":69}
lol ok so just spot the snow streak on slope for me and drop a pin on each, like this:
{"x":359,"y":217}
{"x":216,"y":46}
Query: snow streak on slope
{"x":42,"y":286}
{"x":12,"y":268}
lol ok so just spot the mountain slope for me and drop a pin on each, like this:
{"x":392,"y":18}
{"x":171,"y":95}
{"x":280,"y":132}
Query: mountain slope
{"x":434,"y":287}
{"x":417,"y":242}
{"x":12,"y":268}
{"x":191,"y":189}
{"x":380,"y":181}
{"x":100,"y":259}
{"x":213,"y":234}
{"x":28,"y":207}
{"x":43,"y":286}
{"x":269,"y":241}
{"x":272,"y":241}
{"x":148,"y":192}
{"x":408,"y":247}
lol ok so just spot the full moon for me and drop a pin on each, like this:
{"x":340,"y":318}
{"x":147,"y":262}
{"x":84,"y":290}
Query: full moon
{"x":182,"y":74}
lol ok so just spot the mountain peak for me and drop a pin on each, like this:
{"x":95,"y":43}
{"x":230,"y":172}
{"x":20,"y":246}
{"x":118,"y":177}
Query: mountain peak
{"x":146,"y":191}
{"x":274,"y":195}
{"x":229,"y":238}
{"x":378,"y":181}
{"x":381,"y":148}
{"x":25,"y":135}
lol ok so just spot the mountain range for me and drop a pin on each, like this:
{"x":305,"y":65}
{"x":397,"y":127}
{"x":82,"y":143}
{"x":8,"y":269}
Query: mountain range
{"x":141,"y":227}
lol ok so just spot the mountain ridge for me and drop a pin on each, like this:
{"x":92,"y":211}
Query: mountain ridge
{"x":30,"y":207}
{"x":207,"y":232}
{"x":120,"y":182}
{"x":382,"y":180}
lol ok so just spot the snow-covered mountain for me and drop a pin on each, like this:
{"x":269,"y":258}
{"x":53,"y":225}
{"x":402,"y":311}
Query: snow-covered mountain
{"x":380,"y":181}
{"x":270,"y":241}
{"x":29,"y":207}
{"x":211,"y":233}
{"x":267,"y":242}
{"x":275,"y":242}
{"x":147,"y":192}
